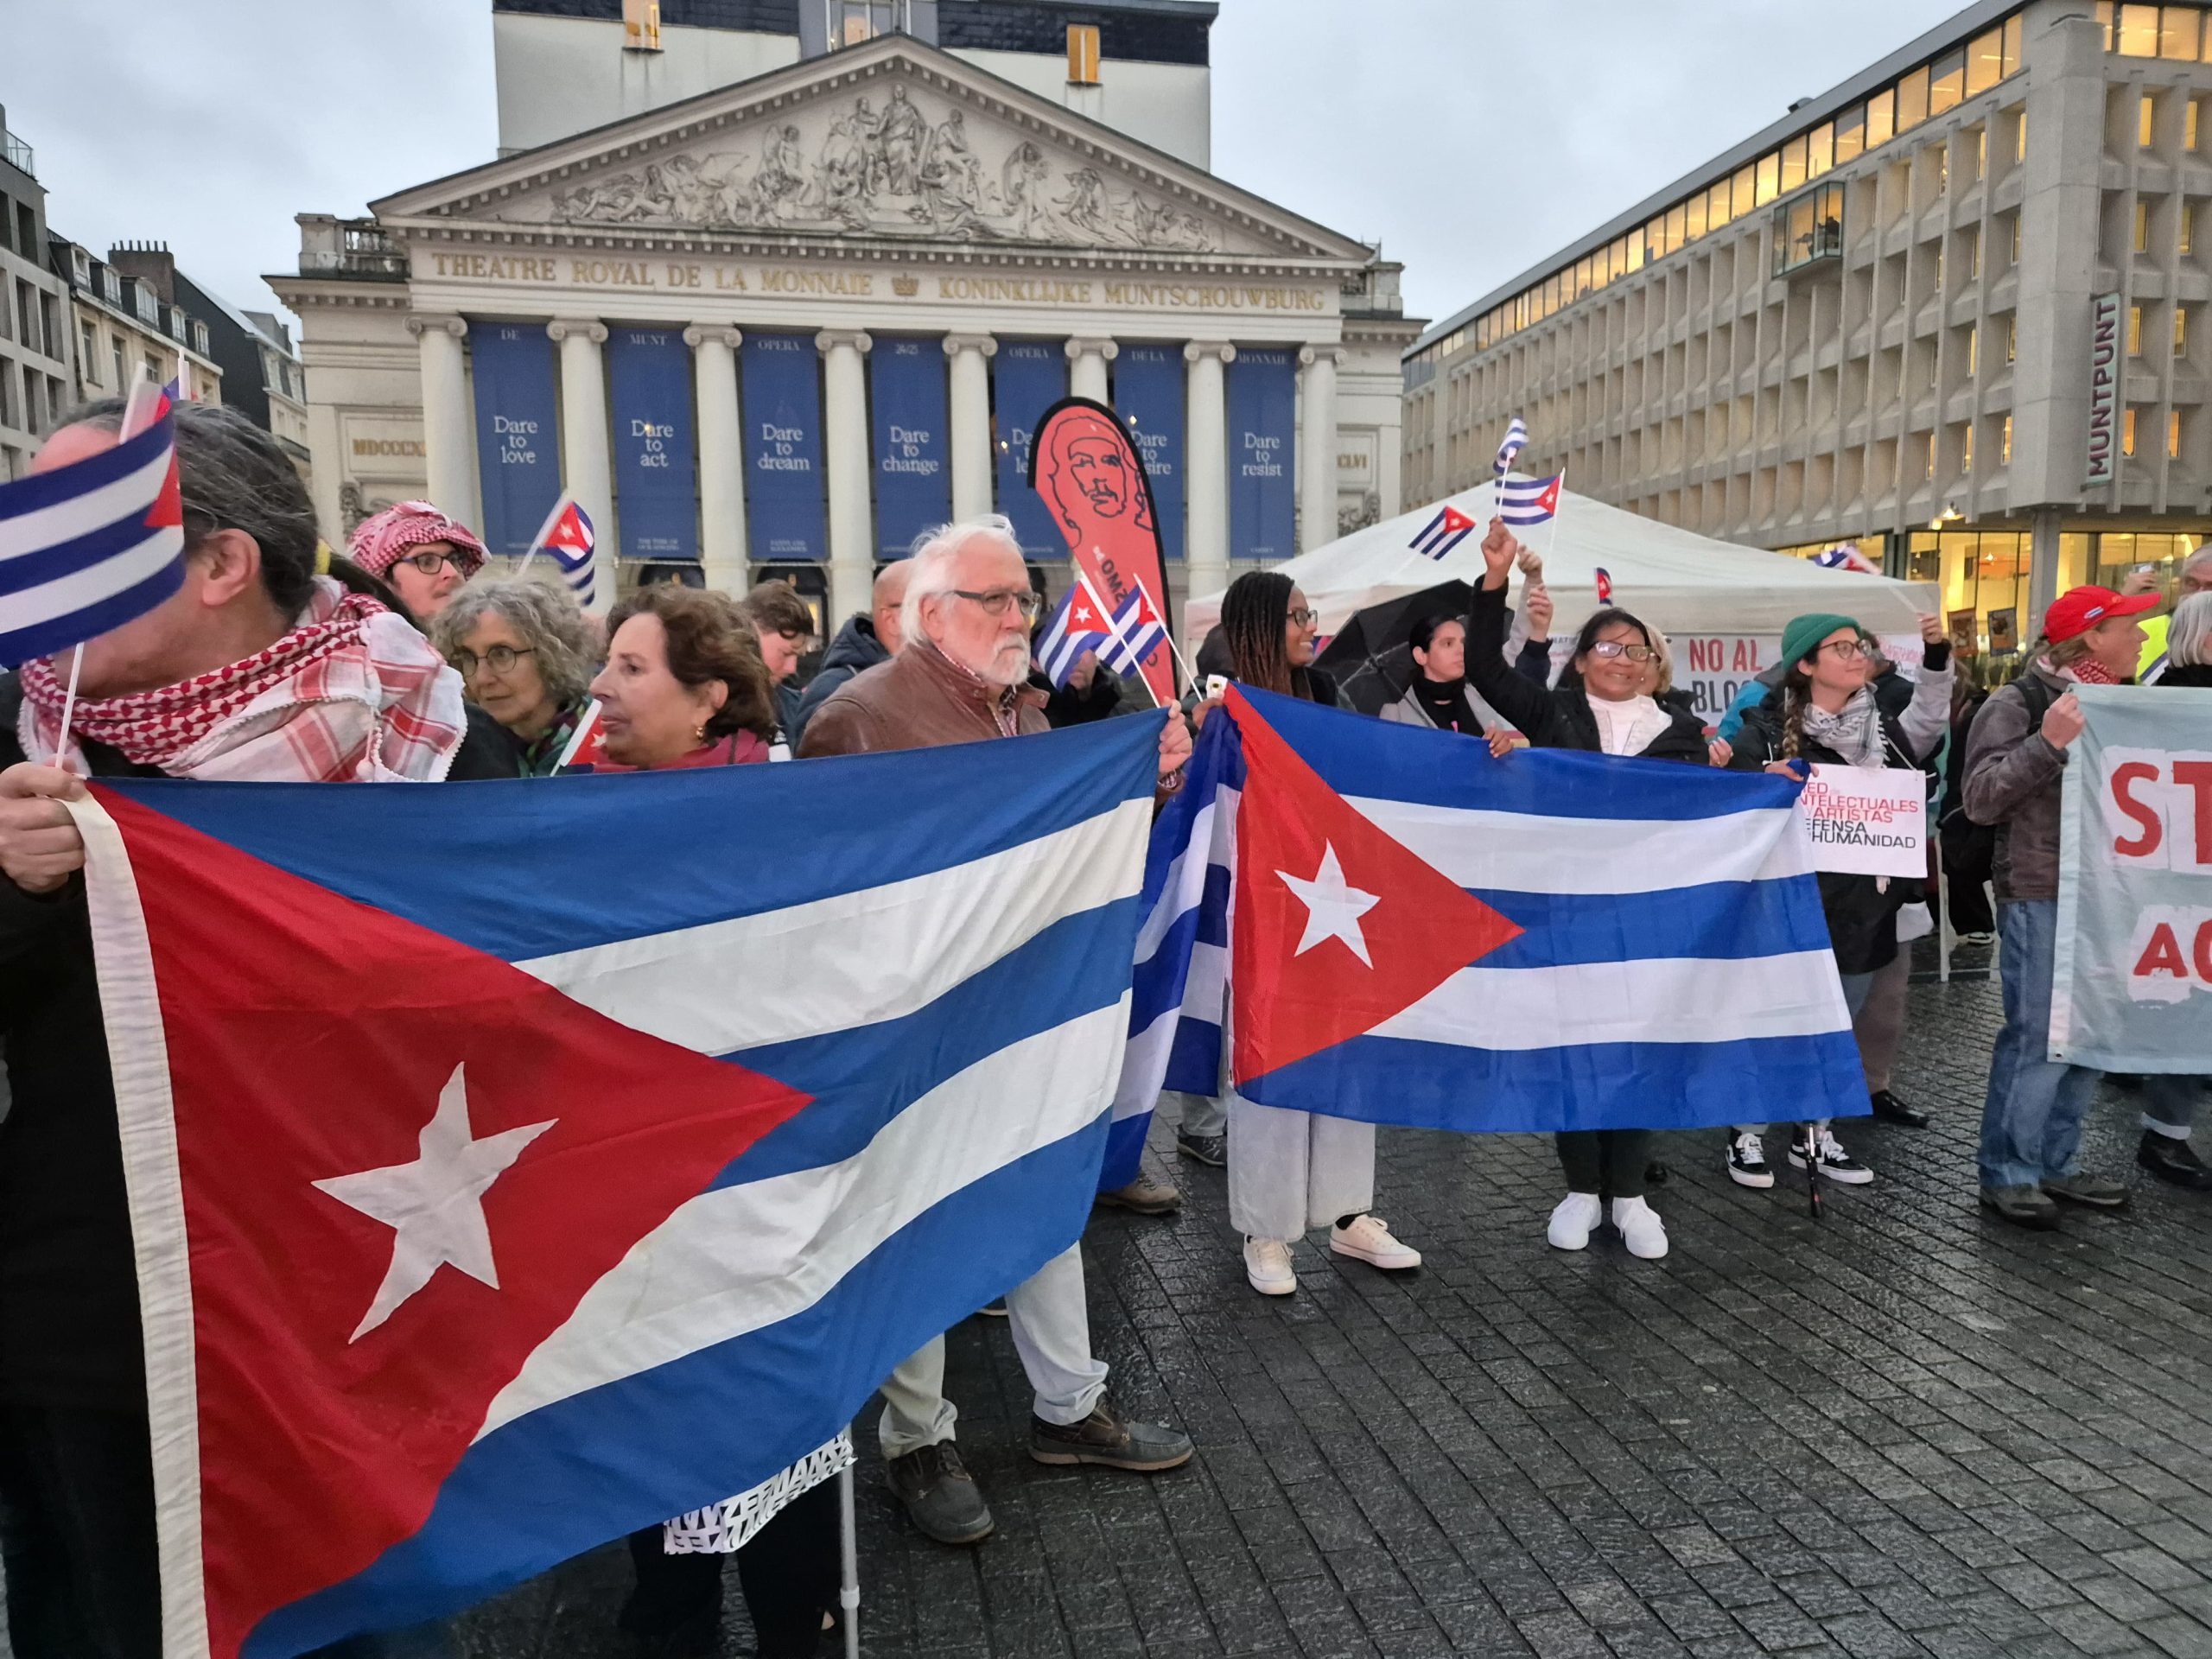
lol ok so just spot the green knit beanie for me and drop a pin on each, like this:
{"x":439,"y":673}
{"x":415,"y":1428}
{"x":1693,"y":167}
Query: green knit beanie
{"x":1805,"y":634}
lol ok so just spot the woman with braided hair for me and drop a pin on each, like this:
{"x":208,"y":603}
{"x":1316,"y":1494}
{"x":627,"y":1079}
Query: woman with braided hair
{"x":1290,"y":1171}
{"x":1824,"y":713}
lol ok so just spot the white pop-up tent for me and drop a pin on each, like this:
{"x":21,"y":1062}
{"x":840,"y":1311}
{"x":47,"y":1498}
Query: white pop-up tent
{"x":1678,"y":581}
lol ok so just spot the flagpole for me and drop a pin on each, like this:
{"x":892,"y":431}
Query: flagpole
{"x":1120,"y":638}
{"x":849,"y":1589}
{"x":560,"y":506}
{"x":139,"y":412}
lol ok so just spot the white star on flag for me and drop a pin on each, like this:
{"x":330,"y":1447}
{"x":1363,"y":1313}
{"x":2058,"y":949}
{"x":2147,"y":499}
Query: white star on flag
{"x":435,"y":1206}
{"x":1332,"y":907}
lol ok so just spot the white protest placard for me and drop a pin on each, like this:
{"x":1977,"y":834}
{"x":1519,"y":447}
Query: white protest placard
{"x":1867,"y":821}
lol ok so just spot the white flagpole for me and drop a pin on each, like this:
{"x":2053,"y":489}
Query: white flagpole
{"x":138,"y":414}
{"x":560,"y":506}
{"x":849,"y":1589}
{"x":1551,"y":537}
{"x":1190,"y":678}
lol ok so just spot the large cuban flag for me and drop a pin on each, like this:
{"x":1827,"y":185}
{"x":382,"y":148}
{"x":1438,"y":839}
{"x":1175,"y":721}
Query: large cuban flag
{"x":1413,"y":933}
{"x":516,"y":1164}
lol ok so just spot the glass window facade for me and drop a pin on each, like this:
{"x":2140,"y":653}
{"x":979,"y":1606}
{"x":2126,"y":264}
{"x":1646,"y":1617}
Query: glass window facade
{"x":1960,"y":72}
{"x":2178,"y":34}
{"x":1984,"y":573}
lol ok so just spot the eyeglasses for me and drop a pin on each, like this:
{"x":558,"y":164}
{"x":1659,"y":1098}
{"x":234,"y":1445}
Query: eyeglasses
{"x":1609,"y":649}
{"x":429,"y":563}
{"x":499,"y":659}
{"x":1847,"y":649}
{"x":994,"y":602}
{"x":1303,"y":619}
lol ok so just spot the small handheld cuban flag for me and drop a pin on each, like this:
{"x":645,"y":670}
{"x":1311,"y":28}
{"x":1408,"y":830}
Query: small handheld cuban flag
{"x":1138,"y":632}
{"x":1523,"y":501}
{"x":86,"y":547}
{"x":1076,"y":627}
{"x":1605,"y":586}
{"x":1844,"y":555}
{"x":1517,"y":440}
{"x":569,"y":540}
{"x":1442,"y":533}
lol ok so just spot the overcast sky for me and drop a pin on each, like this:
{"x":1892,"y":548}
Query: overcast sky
{"x":1470,"y":138}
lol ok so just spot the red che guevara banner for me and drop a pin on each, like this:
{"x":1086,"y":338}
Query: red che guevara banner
{"x":1086,"y":467}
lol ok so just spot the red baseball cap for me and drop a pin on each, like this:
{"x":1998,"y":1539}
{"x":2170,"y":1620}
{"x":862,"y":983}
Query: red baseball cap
{"x":2079,"y":609}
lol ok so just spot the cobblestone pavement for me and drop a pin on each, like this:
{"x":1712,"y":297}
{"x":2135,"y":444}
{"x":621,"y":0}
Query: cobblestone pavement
{"x":1902,"y":1429}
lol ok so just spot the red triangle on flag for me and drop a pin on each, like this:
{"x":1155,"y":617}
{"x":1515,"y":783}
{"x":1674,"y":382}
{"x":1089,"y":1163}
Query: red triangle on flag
{"x":1455,"y":521}
{"x":1549,"y":499}
{"x":167,"y":511}
{"x":1339,"y":926}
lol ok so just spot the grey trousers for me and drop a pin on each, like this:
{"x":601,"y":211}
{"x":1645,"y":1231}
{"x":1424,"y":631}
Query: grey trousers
{"x":1201,"y":1114}
{"x":1879,"y":1024}
{"x":1291,"y":1171}
{"x":1052,"y":1333}
{"x":2170,"y":1104}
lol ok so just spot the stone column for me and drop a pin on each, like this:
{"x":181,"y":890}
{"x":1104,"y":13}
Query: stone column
{"x":1087,"y":361}
{"x":971,"y":392}
{"x":587,"y":459}
{"x":448,"y":431}
{"x":1207,"y":482}
{"x":721,"y":457}
{"x":845,"y":449}
{"x":1316,"y":448}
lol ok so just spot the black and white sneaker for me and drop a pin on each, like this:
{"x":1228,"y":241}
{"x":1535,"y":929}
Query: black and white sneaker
{"x":1747,"y":1164}
{"x":1835,"y":1164}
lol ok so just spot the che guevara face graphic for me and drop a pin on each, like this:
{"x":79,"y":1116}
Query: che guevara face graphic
{"x":1098,"y":472}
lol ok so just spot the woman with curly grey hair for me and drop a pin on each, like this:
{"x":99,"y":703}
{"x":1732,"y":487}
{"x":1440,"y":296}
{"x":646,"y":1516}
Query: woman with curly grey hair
{"x":526,"y":655}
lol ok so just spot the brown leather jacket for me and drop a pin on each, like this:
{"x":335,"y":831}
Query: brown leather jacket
{"x":917,"y":700}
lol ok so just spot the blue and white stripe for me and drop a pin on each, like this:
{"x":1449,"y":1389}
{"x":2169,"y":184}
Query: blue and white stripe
{"x":949,"y":984}
{"x":1524,"y":501}
{"x":1675,"y":972}
{"x":1132,"y":641}
{"x":1182,"y":949}
{"x":1442,"y":533}
{"x":77,"y":555}
{"x":1517,"y":440}
{"x":1060,"y":647}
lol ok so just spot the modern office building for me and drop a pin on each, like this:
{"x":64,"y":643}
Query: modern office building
{"x":34,"y":312}
{"x":809,"y":287}
{"x":1957,"y":309}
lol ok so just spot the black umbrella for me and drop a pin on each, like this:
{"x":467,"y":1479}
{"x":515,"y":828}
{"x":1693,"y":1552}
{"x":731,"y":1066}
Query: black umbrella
{"x":1372,"y":633}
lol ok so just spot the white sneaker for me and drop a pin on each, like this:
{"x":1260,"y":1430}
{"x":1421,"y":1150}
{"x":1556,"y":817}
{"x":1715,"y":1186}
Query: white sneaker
{"x":1747,"y":1164}
{"x":1577,"y":1212}
{"x":1266,"y":1264}
{"x":1641,"y":1229}
{"x":1368,"y":1238}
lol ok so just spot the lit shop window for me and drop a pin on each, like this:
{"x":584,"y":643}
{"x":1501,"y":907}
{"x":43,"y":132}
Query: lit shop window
{"x":641,"y":25}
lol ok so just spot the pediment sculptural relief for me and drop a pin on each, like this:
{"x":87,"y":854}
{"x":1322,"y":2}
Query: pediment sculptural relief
{"x":906,"y":169}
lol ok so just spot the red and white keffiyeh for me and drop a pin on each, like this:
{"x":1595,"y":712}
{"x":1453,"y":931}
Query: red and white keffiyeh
{"x":350,"y":694}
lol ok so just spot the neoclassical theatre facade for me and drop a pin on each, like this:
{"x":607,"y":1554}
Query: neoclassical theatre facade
{"x":784,"y":326}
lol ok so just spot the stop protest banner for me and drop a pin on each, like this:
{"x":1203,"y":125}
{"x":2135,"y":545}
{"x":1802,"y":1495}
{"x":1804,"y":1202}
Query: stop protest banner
{"x":2132,"y":988}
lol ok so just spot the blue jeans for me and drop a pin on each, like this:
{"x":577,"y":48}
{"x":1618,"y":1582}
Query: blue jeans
{"x":2170,"y":1104}
{"x":2031,"y":1121}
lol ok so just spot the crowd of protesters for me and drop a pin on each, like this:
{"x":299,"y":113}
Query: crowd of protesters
{"x":408,"y":661}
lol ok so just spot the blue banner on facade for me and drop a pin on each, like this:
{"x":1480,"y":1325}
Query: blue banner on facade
{"x":785,"y":515}
{"x":517,"y":451}
{"x":1148,"y":396}
{"x":1027,"y":378}
{"x":656,"y":480}
{"x":1262,"y":487}
{"x":914,"y":470}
